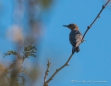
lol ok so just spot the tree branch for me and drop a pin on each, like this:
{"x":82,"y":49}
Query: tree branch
{"x":46,"y":73}
{"x":57,"y":70}
{"x":103,"y":7}
{"x":66,"y":63}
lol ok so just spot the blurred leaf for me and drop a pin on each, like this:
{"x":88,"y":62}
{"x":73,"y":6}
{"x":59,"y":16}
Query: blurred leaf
{"x":45,"y":3}
{"x":29,"y":51}
{"x":10,"y":52}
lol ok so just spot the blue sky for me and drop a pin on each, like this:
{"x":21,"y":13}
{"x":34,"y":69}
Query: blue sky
{"x":94,"y":59}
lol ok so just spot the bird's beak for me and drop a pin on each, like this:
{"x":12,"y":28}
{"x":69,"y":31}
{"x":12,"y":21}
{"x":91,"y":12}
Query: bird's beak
{"x":65,"y":25}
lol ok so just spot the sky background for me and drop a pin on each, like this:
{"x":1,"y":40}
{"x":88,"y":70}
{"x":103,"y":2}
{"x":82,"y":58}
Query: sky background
{"x":93,"y":62}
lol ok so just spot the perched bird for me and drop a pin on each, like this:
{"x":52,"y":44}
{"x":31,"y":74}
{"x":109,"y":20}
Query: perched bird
{"x":75,"y":37}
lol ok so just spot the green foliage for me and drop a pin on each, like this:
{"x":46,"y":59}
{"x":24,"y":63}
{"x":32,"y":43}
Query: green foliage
{"x":10,"y":52}
{"x":45,"y":3}
{"x":11,"y":74}
{"x":23,"y":80}
{"x":29,"y":51}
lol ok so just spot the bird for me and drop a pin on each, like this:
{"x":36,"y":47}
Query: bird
{"x":75,"y":37}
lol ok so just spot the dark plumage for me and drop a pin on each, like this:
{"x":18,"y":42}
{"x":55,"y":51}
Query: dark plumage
{"x":75,"y":37}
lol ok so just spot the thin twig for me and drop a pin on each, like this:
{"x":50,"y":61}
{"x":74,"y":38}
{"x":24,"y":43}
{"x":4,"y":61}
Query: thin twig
{"x":66,"y":63}
{"x":46,"y":73}
{"x":57,"y":70}
{"x":103,"y":7}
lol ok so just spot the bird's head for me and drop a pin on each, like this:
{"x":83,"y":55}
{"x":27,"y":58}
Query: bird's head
{"x":72,"y":26}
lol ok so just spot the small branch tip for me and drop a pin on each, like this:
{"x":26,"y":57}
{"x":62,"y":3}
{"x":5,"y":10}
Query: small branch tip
{"x":67,"y":64}
{"x":57,"y":70}
{"x":88,"y":27}
{"x":103,"y":6}
{"x":99,"y":16}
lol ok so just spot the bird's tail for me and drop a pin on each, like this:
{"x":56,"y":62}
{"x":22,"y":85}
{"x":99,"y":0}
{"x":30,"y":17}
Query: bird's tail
{"x":77,"y":49}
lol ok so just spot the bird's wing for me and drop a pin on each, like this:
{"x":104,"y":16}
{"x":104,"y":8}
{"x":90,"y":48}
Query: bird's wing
{"x":72,"y":38}
{"x":78,"y":38}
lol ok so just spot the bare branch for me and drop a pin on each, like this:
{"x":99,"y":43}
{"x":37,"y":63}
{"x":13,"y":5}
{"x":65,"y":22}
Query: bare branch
{"x":66,"y":63}
{"x":95,"y":19}
{"x":46,"y":73}
{"x":57,"y":70}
